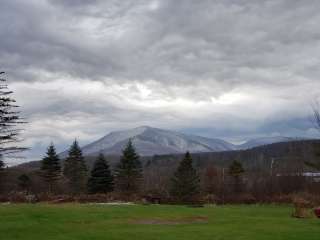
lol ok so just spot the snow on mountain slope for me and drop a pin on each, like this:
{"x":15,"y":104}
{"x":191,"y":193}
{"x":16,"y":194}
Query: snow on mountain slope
{"x":214,"y":143}
{"x":150,"y":141}
{"x":112,"y":139}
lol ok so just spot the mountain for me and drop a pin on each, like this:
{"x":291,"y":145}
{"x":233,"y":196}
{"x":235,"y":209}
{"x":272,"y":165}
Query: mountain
{"x":151,"y":141}
{"x":154,"y":141}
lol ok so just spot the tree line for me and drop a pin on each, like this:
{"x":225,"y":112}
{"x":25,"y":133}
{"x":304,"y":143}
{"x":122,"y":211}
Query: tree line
{"x":100,"y":179}
{"x":126,"y":178}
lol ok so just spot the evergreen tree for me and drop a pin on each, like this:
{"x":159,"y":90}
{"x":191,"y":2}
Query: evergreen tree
{"x":24,"y":182}
{"x":50,"y":167}
{"x":101,"y":179}
{"x":75,"y":169}
{"x":236,"y":171}
{"x":186,"y":181}
{"x":129,"y":171}
{"x":1,"y":164}
{"x":9,"y":120}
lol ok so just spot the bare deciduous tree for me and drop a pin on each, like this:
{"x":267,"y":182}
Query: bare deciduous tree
{"x":316,"y":118}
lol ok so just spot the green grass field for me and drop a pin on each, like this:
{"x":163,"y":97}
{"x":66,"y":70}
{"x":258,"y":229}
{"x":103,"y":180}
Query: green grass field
{"x":89,"y":222}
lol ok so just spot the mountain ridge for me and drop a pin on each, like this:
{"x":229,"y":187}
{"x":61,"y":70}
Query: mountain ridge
{"x":155,"y":141}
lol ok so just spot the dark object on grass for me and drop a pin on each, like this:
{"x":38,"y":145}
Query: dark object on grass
{"x":196,"y":205}
{"x":317,"y":212}
{"x":151,"y":199}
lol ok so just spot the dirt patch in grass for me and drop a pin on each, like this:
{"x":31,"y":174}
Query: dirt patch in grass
{"x":176,"y":221}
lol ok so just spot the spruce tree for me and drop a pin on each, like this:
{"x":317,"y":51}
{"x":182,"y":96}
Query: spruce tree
{"x":9,"y":120}
{"x":186,"y":181}
{"x":75,"y":169}
{"x":101,"y":179}
{"x":50,"y":167}
{"x":129,"y":171}
{"x":236,"y":170}
{"x":24,"y":182}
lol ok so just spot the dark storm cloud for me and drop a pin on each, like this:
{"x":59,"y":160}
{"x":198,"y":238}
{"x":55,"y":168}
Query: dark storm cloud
{"x":128,"y":62}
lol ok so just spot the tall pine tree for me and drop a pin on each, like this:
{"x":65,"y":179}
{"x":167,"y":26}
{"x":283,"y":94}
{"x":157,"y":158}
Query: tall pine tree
{"x":9,"y":120}
{"x":101,"y":179}
{"x":185,"y":182}
{"x":75,"y":169}
{"x":50,"y":167}
{"x":128,"y":174}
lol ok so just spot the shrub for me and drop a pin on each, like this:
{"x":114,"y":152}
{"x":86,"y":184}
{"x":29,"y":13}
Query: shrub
{"x":301,"y":207}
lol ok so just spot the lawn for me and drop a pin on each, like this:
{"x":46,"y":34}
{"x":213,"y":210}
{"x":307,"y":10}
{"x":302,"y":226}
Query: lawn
{"x":89,"y":222}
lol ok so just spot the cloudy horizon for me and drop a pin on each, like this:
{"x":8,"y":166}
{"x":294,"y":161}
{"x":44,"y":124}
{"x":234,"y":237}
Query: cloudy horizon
{"x":233,"y":70}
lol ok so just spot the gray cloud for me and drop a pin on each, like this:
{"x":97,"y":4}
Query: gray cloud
{"x":180,"y":41}
{"x":239,"y":68}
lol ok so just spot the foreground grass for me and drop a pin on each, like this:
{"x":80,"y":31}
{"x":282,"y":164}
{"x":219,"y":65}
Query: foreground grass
{"x":75,"y":221}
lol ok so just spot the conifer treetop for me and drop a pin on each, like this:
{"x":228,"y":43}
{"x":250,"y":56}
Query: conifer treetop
{"x":236,"y":169}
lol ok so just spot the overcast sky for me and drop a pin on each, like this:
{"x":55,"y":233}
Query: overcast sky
{"x":234,"y":69}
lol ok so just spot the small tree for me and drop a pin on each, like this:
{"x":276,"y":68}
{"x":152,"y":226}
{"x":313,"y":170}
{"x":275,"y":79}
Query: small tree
{"x":211,"y":180}
{"x":101,"y":179}
{"x":75,"y":169}
{"x":185,"y":182}
{"x":128,"y":173}
{"x":236,"y":171}
{"x":50,"y":167}
{"x":24,"y":183}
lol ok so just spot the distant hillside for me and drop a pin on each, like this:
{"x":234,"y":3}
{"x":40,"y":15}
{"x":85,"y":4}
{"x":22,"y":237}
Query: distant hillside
{"x":283,"y":154}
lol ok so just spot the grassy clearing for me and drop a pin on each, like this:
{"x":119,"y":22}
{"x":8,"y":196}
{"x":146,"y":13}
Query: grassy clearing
{"x":80,"y":221}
